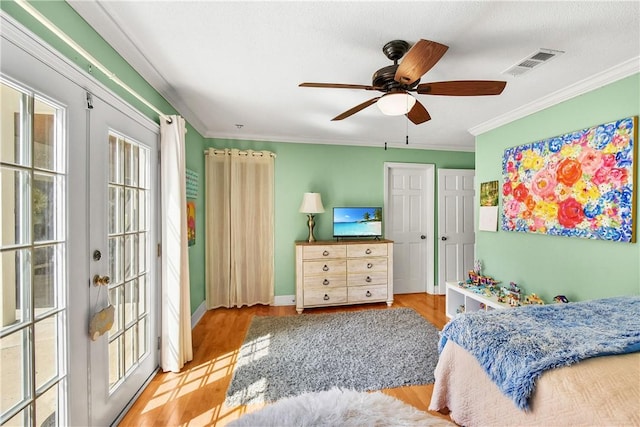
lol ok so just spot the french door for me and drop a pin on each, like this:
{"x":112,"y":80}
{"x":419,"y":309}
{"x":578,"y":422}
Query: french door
{"x":122,"y":224}
{"x":78,"y":187}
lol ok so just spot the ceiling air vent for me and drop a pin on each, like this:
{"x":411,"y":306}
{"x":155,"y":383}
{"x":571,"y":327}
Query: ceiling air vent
{"x":532,"y":61}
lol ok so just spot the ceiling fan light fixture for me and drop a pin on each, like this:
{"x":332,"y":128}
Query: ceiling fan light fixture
{"x":396,"y":104}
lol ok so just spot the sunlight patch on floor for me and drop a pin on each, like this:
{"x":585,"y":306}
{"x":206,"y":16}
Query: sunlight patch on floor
{"x":168,"y":385}
{"x":176,"y":385}
{"x":254,"y":350}
{"x":253,"y":393}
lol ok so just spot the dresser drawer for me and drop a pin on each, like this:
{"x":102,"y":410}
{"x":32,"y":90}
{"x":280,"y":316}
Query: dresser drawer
{"x":325,"y":296}
{"x":366,"y":279}
{"x":325,"y":281}
{"x":366,"y":265}
{"x":323,"y":251}
{"x":324,"y":267}
{"x":366,"y":293}
{"x":367,"y":250}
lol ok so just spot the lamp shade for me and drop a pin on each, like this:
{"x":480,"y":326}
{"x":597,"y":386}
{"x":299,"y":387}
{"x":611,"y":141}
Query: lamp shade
{"x":311,"y":203}
{"x":396,"y":103}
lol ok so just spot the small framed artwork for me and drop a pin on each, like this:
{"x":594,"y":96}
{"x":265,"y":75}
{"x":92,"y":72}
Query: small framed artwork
{"x":191,"y":223}
{"x":489,"y":193}
{"x":192,"y":184}
{"x":488,"y":213}
{"x":580,"y":184}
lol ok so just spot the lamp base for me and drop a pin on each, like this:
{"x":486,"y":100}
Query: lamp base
{"x":311,"y":223}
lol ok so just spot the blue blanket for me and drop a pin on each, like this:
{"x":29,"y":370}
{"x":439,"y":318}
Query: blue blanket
{"x":515,"y":346}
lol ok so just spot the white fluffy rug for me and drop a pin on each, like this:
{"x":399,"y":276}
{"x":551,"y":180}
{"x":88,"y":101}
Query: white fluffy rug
{"x":339,"y":407}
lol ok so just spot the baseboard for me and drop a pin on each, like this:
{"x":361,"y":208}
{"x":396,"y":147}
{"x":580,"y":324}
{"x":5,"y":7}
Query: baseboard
{"x":284,"y":300}
{"x":197,"y":315}
{"x":278,"y":300}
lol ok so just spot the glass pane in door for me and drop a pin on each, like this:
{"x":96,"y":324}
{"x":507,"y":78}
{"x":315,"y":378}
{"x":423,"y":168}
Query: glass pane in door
{"x":128,"y":251}
{"x":33,"y":266}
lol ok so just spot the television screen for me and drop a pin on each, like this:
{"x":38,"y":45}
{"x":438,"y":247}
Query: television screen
{"x":357,"y":222}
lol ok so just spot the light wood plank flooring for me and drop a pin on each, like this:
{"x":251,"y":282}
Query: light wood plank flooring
{"x":195,"y":396}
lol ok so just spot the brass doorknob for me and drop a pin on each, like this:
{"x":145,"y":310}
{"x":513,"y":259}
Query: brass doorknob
{"x":101,"y":280}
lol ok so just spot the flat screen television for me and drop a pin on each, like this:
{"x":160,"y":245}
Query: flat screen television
{"x":357,"y":222}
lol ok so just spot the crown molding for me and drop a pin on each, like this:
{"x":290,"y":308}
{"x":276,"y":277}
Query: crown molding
{"x":613,"y":74}
{"x":398,"y":145}
{"x":101,"y":18}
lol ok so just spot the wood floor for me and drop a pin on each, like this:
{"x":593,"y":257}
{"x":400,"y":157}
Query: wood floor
{"x":195,"y":396}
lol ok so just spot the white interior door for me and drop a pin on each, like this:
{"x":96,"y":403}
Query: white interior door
{"x":456,"y":243}
{"x":122,"y":227}
{"x":408,"y":221}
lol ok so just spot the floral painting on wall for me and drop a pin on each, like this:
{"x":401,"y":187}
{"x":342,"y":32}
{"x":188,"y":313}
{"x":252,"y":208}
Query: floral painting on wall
{"x":580,"y":184}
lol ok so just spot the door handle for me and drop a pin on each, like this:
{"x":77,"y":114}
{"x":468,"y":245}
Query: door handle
{"x":423,"y":237}
{"x":101,"y":280}
{"x":443,"y":238}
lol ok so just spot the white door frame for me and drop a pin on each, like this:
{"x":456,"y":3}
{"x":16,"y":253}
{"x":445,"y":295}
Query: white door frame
{"x":428,"y":208}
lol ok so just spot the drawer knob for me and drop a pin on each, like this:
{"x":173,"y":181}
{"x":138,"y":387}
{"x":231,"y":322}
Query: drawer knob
{"x":368,"y":251}
{"x":325,"y":268}
{"x":368,"y":279}
{"x":325,"y":253}
{"x":369,"y":265}
{"x":326,"y":297}
{"x":368,"y":294}
{"x":325,"y":282}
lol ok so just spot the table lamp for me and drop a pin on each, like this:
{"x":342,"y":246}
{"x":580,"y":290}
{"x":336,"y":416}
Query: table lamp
{"x":311,"y":204}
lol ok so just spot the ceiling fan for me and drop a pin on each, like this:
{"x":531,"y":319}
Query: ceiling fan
{"x":397,"y":80}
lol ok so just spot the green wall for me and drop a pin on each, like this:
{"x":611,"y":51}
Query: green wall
{"x":350,"y":175}
{"x":550,"y":265}
{"x":344,"y":175}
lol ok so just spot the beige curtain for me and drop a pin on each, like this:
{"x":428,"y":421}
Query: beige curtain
{"x":176,"y":346}
{"x":239,"y":221}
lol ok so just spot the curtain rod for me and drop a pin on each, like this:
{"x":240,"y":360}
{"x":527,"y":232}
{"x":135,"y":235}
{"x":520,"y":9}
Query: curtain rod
{"x":216,"y":151}
{"x":86,"y":55}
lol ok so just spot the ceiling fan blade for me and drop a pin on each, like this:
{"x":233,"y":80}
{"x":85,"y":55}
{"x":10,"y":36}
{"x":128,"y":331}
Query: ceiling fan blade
{"x":418,"y":114}
{"x":462,"y":88}
{"x":356,"y":109}
{"x":336,"y":86}
{"x":420,"y":58}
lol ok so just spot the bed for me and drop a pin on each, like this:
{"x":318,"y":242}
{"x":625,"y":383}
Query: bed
{"x":562,"y":364}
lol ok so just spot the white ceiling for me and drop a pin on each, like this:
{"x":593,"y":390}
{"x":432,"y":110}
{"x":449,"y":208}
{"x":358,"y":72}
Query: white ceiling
{"x":221,"y":64}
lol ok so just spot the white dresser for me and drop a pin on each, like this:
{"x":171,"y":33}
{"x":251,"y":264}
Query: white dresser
{"x":347,"y":272}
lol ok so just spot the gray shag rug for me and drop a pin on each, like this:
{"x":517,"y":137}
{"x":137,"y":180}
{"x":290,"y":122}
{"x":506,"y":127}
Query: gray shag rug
{"x":336,"y":407}
{"x":365,"y":350}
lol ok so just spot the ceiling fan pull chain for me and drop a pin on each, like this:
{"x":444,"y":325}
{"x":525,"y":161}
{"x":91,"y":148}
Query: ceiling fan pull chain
{"x":407,"y":131}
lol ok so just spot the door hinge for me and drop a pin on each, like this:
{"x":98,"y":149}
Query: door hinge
{"x":89,"y":101}
{"x":159,"y":250}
